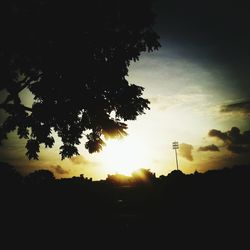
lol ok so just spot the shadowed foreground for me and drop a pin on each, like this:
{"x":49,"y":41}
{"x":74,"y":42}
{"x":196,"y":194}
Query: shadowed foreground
{"x":211,"y":209}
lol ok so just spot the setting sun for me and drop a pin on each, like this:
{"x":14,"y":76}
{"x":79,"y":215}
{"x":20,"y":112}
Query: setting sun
{"x":124,"y":156}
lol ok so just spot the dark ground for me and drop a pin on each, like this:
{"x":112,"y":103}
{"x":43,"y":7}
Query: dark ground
{"x":199,"y":210}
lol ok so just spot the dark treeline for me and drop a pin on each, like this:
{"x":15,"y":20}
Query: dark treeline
{"x":212,"y":207}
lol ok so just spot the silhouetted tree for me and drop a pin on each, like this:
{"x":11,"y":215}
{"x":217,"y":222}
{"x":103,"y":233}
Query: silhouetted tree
{"x":143,"y":175}
{"x":118,"y":179}
{"x":41,"y":176}
{"x":9,"y":175}
{"x":73,"y":58}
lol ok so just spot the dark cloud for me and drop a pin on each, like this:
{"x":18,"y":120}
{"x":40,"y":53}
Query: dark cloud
{"x":79,"y":159}
{"x":222,"y":23}
{"x":233,"y":140}
{"x":241,"y":107}
{"x":186,"y":151}
{"x":219,"y":28}
{"x":238,"y":149}
{"x":225,"y":22}
{"x":59,"y":170}
{"x":211,"y":147}
{"x":218,"y":134}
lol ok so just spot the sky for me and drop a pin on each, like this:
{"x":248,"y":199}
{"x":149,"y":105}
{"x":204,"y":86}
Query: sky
{"x":198,"y":86}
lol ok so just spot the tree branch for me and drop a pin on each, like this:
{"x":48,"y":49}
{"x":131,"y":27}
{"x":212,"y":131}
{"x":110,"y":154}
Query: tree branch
{"x":27,"y":108}
{"x":5,"y":106}
{"x":27,"y":80}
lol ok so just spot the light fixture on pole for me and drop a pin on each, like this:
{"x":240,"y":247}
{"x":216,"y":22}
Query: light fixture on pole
{"x":175,"y":147}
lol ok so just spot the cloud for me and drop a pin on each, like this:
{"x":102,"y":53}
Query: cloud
{"x":218,"y":134}
{"x":240,"y":107}
{"x":186,"y":151}
{"x":59,"y":170}
{"x":163,"y":102}
{"x":79,"y":159}
{"x":233,"y":140}
{"x":211,"y":147}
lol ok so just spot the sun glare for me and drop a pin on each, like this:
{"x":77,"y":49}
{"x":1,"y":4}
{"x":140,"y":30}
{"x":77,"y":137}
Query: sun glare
{"x":123,"y":156}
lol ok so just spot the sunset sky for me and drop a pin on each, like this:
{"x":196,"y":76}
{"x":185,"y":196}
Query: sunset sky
{"x":198,"y":86}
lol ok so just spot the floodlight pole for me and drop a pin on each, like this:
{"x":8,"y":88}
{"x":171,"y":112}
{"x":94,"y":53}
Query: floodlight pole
{"x":176,"y":159}
{"x":175,"y":147}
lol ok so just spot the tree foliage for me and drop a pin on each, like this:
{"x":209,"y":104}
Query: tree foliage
{"x":73,"y":57}
{"x":42,"y":176}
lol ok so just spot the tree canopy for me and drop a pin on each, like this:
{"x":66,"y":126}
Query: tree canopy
{"x":73,"y":57}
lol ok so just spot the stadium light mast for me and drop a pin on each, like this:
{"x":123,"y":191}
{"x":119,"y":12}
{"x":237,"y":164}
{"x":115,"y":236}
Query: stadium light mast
{"x":175,"y":147}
